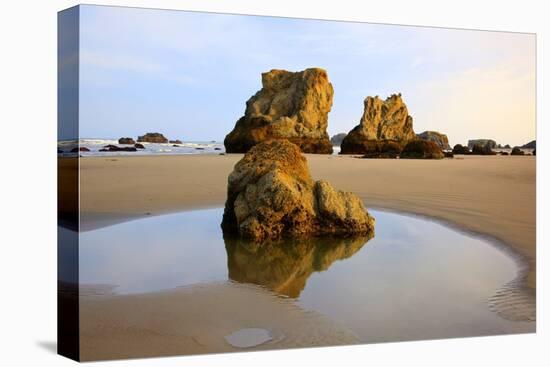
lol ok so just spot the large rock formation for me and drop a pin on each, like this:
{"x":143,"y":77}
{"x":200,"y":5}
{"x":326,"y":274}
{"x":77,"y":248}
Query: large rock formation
{"x":482,"y":142}
{"x":292,"y":106}
{"x":381,"y":120}
{"x":436,"y":137}
{"x":152,"y":138}
{"x":271,"y":194}
{"x":284,"y":265}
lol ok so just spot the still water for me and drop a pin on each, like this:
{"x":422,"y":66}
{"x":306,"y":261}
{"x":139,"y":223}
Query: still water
{"x":415,"y":279}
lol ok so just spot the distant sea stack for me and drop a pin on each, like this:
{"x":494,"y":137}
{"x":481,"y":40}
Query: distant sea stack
{"x":336,"y":140}
{"x":482,"y":142}
{"x":436,"y":137}
{"x":531,"y":145}
{"x":382,"y":120}
{"x":486,"y":149}
{"x":292,"y":106}
{"x":126,"y":141}
{"x":271,"y":194}
{"x":152,"y":138}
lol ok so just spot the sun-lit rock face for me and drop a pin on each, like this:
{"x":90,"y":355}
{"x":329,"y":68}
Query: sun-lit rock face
{"x":382,"y":120}
{"x":271,"y":194}
{"x":290,"y":105}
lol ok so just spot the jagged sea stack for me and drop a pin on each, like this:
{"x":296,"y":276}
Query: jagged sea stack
{"x":290,"y":105}
{"x":382,"y":120}
{"x":270,"y":194}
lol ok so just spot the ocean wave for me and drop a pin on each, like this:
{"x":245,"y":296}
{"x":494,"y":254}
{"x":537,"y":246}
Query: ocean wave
{"x":94,"y":145}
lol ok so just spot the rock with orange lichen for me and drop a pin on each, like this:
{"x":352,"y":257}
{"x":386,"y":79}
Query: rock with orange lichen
{"x":271,"y":194}
{"x":382,"y":121}
{"x":290,"y":105}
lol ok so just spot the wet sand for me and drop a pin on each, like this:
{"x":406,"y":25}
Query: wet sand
{"x":493,"y":196}
{"x":114,"y":327}
{"x":489,"y":195}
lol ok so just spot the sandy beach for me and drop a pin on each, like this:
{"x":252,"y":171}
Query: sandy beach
{"x":113,"y":327}
{"x":488,"y":195}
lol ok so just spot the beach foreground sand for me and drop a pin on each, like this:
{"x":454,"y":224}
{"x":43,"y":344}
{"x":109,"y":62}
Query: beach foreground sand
{"x":489,"y":195}
{"x":114,"y":327}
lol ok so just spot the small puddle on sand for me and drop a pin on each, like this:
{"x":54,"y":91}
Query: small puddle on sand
{"x":416,"y":279}
{"x":248,"y":338}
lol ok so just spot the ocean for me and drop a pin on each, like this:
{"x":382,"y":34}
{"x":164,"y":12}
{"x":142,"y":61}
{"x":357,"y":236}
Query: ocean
{"x":94,"y":145}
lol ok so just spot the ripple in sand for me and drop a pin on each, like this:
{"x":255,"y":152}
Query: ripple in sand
{"x":515,"y":301}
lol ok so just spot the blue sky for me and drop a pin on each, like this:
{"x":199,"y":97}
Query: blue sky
{"x":188,"y":75}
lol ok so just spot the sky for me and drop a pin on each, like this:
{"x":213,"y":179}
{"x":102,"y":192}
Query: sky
{"x":188,"y":75}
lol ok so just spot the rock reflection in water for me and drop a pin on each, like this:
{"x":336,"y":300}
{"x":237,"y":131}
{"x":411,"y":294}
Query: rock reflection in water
{"x":284,"y":265}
